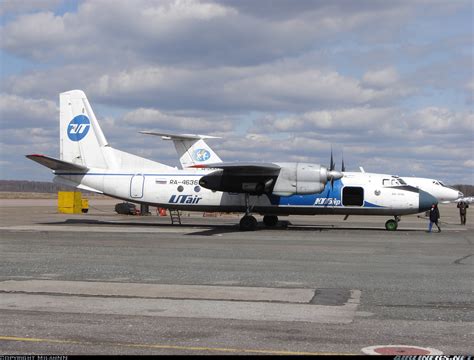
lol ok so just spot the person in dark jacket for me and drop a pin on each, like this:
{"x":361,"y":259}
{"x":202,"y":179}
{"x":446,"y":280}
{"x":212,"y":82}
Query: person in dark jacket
{"x":434,"y":217}
{"x":462,"y":206}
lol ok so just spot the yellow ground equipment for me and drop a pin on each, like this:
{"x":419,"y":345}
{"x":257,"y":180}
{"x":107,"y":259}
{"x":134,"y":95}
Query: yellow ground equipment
{"x":71,"y":202}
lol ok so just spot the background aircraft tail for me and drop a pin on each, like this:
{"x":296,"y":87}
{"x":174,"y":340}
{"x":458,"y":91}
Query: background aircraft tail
{"x":82,"y":141}
{"x":192,"y":149}
{"x":195,"y":152}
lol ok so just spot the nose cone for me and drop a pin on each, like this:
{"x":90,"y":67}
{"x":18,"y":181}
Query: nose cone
{"x":426,"y":200}
{"x":336,"y":175}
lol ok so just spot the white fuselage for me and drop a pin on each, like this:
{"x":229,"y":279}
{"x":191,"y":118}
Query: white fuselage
{"x":355,"y":194}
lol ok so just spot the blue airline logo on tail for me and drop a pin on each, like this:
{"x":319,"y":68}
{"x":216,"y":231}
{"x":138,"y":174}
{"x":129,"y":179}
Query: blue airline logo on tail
{"x":78,"y":128}
{"x":201,"y":155}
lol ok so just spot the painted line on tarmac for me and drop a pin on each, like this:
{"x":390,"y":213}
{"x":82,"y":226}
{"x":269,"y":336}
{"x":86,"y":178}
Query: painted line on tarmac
{"x":167,"y":347}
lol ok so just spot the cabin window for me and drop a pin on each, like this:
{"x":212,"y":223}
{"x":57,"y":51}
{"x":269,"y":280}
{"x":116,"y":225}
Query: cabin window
{"x":386,"y":182}
{"x":352,"y":196}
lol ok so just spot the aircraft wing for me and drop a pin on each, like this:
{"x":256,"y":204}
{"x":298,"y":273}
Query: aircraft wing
{"x":251,"y":178}
{"x":169,"y":136}
{"x":237,"y":167}
{"x":55,"y":164}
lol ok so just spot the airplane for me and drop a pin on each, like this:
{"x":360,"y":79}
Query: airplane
{"x":466,"y":199}
{"x":435,"y":187}
{"x":88,"y":162}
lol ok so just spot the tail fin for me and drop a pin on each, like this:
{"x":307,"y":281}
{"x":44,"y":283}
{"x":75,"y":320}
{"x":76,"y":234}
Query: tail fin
{"x":192,"y":149}
{"x":195,"y":152}
{"x":82,"y":141}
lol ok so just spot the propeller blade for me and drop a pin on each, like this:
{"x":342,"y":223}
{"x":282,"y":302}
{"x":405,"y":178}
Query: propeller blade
{"x":343,"y":167}
{"x":332,"y":165}
{"x":334,"y":175}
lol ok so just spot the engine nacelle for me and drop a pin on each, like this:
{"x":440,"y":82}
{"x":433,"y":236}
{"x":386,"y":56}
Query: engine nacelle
{"x":300,"y":179}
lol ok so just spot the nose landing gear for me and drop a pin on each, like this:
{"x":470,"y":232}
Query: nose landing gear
{"x":392,"y":224}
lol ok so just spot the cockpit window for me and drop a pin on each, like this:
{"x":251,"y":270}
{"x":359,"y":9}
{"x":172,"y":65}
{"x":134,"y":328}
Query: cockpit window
{"x":402,"y":181}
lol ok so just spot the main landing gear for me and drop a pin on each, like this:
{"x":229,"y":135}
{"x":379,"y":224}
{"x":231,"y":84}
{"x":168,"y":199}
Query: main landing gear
{"x":392,"y":224}
{"x":270,"y":220}
{"x":249,"y":223}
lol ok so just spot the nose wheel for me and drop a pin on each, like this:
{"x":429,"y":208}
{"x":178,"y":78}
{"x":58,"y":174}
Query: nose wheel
{"x":392,"y":224}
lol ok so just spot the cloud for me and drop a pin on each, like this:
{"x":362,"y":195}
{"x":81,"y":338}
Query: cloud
{"x":13,"y":7}
{"x":18,"y":112}
{"x":197,"y":32}
{"x":154,"y":119}
{"x":279,"y":80}
{"x":279,"y":86}
{"x":381,"y":78}
{"x":360,"y":118}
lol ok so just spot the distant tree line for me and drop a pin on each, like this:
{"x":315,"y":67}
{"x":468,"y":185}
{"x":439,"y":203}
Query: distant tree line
{"x":33,"y":186}
{"x":467,"y":190}
{"x":49,"y":187}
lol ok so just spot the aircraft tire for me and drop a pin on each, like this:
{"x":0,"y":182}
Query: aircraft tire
{"x":270,"y":220}
{"x":391,"y":225}
{"x":248,"y":223}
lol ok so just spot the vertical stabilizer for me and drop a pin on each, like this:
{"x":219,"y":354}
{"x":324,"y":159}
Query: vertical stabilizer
{"x":82,"y":141}
{"x":192,"y":149}
{"x":195,"y":152}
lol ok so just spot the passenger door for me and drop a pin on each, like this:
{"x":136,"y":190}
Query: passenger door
{"x":136,"y":186}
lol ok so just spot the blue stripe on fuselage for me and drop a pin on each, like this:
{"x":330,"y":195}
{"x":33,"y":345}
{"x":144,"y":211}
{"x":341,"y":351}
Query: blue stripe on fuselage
{"x":329,"y":197}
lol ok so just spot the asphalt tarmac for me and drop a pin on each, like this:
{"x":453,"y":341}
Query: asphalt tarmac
{"x":102,"y":283}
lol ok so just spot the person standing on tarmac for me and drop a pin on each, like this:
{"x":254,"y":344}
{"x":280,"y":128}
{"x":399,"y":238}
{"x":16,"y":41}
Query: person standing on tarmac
{"x":434,"y":217}
{"x":462,"y":206}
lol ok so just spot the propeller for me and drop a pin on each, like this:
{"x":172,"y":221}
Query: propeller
{"x":333,"y":174}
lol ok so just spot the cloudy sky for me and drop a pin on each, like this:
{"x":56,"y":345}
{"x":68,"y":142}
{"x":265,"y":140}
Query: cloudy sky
{"x":387,"y":83}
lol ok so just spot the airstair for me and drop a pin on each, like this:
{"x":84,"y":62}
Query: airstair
{"x":175,"y":217}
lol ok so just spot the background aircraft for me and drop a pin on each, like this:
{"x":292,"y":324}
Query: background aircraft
{"x":435,"y":187}
{"x":88,"y":162}
{"x":467,"y":199}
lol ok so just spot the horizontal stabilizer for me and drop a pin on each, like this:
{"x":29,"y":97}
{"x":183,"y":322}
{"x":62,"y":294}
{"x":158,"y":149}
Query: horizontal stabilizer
{"x":55,"y":164}
{"x":62,"y":181}
{"x":168,"y":136}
